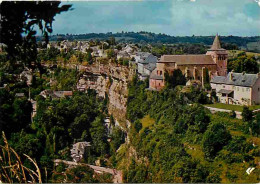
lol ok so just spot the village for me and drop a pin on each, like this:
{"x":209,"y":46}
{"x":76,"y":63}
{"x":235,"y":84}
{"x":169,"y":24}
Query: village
{"x":230,"y":88}
{"x":130,"y":92}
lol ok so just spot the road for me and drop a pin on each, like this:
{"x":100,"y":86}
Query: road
{"x":214,"y":110}
{"x":118,"y":175}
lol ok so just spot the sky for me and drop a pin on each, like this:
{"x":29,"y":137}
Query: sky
{"x":172,"y":17}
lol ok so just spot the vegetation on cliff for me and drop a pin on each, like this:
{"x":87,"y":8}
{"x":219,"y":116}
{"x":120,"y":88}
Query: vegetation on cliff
{"x":186,"y":143}
{"x":59,"y":122}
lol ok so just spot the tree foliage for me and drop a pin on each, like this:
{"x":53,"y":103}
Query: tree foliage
{"x":243,"y":63}
{"x":18,"y":19}
{"x":214,"y":139}
{"x":174,"y":79}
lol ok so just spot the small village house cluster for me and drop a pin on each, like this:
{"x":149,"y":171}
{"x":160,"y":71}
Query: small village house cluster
{"x":231,"y":88}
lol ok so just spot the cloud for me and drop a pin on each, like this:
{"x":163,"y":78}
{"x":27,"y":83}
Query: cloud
{"x":207,"y":17}
{"x":174,"y":17}
{"x":258,"y":2}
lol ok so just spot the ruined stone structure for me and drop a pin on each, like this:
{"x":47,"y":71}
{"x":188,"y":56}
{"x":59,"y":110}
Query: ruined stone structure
{"x":194,"y":67}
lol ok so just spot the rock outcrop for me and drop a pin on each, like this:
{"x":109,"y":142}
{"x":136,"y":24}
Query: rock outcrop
{"x":109,"y":80}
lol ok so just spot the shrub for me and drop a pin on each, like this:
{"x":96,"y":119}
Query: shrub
{"x":138,"y":125}
{"x":232,"y":114}
{"x":214,"y":139}
{"x":247,"y":114}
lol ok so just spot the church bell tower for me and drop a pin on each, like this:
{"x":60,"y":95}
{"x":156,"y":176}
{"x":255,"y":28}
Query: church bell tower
{"x":220,"y":56}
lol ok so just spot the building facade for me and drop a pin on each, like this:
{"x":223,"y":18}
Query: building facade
{"x":146,"y":63}
{"x":194,"y":67}
{"x":237,"y":88}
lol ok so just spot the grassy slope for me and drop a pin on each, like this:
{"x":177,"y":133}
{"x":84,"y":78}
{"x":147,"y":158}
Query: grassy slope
{"x":229,"y":172}
{"x":235,"y":170}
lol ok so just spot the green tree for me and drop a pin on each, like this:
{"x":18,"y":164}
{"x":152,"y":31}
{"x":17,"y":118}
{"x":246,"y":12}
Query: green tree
{"x":243,"y":63}
{"x":175,"y":79}
{"x":79,"y":174}
{"x":118,"y":138}
{"x":214,"y":139}
{"x":247,"y":114}
{"x":238,"y":144}
{"x":89,"y":58}
{"x":18,"y":32}
{"x":22,"y":113}
{"x":202,"y":121}
{"x":111,"y":53}
{"x":138,"y":125}
{"x":99,"y":136}
{"x":255,"y":125}
{"x":112,"y":40}
{"x":80,"y":125}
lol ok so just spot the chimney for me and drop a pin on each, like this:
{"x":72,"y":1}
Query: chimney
{"x":231,"y":76}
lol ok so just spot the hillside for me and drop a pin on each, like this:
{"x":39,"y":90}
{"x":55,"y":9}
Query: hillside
{"x":175,"y":139}
{"x":245,"y":43}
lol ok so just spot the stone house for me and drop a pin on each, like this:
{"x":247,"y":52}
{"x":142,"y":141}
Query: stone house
{"x":96,"y":51}
{"x":129,"y":49}
{"x":237,"y":88}
{"x":27,"y":76}
{"x":78,"y":150}
{"x":122,"y":54}
{"x":194,"y":67}
{"x":146,"y":63}
{"x":141,"y":56}
{"x":56,"y":94}
{"x":19,"y":95}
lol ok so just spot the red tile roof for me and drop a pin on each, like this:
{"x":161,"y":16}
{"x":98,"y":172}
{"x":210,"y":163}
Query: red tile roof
{"x":187,"y":59}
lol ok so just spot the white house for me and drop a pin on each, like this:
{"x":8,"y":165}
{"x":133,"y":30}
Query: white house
{"x":237,"y":88}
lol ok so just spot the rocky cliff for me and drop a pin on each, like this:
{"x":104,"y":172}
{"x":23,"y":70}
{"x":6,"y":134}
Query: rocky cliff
{"x":109,"y":80}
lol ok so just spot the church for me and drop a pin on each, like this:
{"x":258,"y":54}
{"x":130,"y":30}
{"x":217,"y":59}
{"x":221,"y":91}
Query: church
{"x":194,"y":67}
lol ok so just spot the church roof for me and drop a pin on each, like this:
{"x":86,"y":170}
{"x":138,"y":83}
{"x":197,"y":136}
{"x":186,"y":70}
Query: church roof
{"x":187,"y":59}
{"x":216,"y":44}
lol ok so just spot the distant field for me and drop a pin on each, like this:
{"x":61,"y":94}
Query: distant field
{"x":124,"y":38}
{"x":253,"y":46}
{"x":232,"y":107}
{"x":236,"y":52}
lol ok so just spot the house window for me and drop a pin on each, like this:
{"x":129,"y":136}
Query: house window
{"x":224,"y":86}
{"x":258,"y":89}
{"x":237,"y":88}
{"x":160,"y":72}
{"x":242,"y":89}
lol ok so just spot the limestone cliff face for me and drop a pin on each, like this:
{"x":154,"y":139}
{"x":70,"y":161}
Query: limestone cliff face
{"x":110,"y":80}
